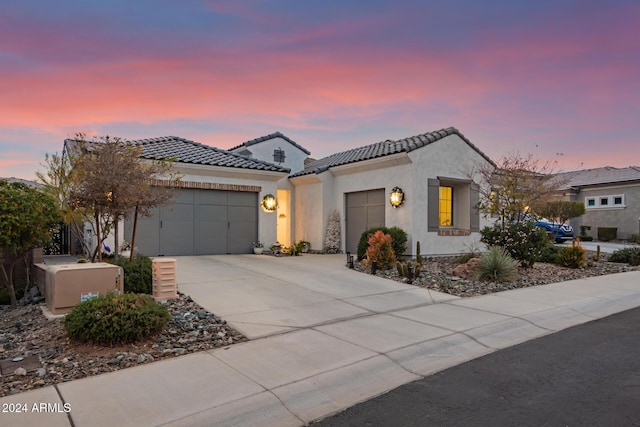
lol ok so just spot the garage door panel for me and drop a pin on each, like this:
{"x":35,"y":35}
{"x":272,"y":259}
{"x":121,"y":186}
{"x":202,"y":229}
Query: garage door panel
{"x":176,"y":230}
{"x":211,"y":230}
{"x":243,"y":199}
{"x":200,"y":222}
{"x":213,"y":197}
{"x":365,"y":209}
{"x":147,"y":236}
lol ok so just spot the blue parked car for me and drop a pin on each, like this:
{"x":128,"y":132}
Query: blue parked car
{"x":562,"y":232}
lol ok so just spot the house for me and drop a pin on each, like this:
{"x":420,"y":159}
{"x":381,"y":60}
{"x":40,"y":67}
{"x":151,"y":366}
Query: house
{"x":220,"y":206}
{"x":611,"y":198}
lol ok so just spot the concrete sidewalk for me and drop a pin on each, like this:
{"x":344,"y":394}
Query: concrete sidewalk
{"x":323,"y":338}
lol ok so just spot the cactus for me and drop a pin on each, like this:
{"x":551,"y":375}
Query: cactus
{"x":403,"y":268}
{"x":598,"y":253}
{"x":418,"y":255}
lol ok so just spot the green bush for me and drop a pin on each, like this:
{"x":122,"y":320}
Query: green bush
{"x":496,"y":266}
{"x":607,"y":233}
{"x":138,"y":274}
{"x":573,"y":256}
{"x":626,"y":255}
{"x":523,"y":241}
{"x":116,"y":319}
{"x":398,"y":240}
{"x":550,"y":254}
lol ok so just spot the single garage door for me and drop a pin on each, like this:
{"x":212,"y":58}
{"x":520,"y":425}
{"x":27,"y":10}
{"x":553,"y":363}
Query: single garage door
{"x":365,"y":209}
{"x":199,"y":222}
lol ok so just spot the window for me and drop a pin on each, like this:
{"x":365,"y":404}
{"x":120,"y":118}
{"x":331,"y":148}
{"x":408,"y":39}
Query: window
{"x":615,"y":201}
{"x":446,"y":206}
{"x":278,"y":155}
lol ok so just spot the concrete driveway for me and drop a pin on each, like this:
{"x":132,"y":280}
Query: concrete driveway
{"x":266,"y":295}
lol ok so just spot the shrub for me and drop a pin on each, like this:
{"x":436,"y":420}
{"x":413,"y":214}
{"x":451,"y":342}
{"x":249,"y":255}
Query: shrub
{"x":626,"y":255}
{"x":398,"y":240}
{"x":116,"y":319}
{"x":138,"y":275}
{"x":573,"y":256}
{"x":523,"y":241}
{"x":607,"y":233}
{"x":496,"y":266}
{"x":550,"y":254}
{"x":380,"y":250}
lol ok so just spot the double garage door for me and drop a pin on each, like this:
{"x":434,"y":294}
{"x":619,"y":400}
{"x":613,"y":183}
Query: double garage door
{"x":199,"y":222}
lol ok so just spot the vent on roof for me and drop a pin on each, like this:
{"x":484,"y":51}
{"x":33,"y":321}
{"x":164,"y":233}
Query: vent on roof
{"x":278,"y":155}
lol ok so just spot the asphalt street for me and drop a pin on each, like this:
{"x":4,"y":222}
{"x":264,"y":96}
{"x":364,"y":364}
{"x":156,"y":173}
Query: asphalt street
{"x":588,"y":375}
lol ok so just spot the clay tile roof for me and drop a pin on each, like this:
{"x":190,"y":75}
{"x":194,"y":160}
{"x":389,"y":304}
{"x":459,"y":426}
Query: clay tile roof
{"x":604,"y":175}
{"x":185,"y":151}
{"x":383,"y":148}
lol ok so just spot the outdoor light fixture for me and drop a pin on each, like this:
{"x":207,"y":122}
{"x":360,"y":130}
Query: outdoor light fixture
{"x":269,"y":203}
{"x":396,"y":197}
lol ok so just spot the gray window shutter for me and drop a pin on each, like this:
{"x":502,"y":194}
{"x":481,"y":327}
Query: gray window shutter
{"x":474,"y":202}
{"x":433,"y":207}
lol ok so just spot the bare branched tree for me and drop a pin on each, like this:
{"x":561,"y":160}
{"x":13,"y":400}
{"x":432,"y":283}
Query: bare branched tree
{"x":106,"y":180}
{"x":519,"y":184}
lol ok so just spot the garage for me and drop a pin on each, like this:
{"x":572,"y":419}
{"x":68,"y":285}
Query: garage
{"x":365,"y":209}
{"x":199,"y":222}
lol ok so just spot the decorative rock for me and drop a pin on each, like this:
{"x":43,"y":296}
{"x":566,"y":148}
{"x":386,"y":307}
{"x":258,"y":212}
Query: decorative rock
{"x":20,"y":371}
{"x":41,"y":372}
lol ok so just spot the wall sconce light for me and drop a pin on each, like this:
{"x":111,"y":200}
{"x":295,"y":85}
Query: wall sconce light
{"x":396,"y":197}
{"x":269,"y":203}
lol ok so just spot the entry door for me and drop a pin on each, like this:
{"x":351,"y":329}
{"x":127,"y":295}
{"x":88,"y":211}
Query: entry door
{"x":365,"y":209}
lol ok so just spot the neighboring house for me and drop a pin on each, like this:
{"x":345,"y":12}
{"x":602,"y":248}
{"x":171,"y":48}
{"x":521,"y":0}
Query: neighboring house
{"x":611,"y":198}
{"x":217,"y":209}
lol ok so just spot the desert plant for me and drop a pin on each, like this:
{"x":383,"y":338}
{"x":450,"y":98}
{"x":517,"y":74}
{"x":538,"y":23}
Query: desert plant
{"x":524,"y":241}
{"x":626,"y":255}
{"x":550,"y":254}
{"x":418,"y":254}
{"x":138,"y":275}
{"x":403,"y":268}
{"x":116,"y":319}
{"x":380,"y":250}
{"x":332,"y":237}
{"x":496,"y":266}
{"x":398,"y":240}
{"x":573,"y":256}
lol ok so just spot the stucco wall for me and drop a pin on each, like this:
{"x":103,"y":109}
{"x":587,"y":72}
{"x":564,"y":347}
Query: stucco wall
{"x":626,"y":219}
{"x":294,"y":157}
{"x":450,"y":157}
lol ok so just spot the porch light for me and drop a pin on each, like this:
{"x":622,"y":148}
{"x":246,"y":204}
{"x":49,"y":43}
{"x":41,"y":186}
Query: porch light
{"x":269,"y":203}
{"x":396,"y":197}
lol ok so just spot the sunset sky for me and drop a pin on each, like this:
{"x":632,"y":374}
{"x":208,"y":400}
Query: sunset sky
{"x":555,"y":78}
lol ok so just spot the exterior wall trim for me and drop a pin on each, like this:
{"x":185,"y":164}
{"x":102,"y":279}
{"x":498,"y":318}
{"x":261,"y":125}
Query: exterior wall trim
{"x":206,"y":185}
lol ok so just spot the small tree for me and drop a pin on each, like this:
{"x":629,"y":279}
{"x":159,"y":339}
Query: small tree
{"x":517,"y":185}
{"x":106,"y":180}
{"x":561,"y":211}
{"x":27,"y":217}
{"x":332,"y":238}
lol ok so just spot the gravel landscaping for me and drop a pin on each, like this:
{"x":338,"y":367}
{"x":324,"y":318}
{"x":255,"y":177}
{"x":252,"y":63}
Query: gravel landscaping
{"x":437,"y":274}
{"x":49,"y":357}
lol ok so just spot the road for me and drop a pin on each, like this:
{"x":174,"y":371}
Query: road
{"x":585,"y":375}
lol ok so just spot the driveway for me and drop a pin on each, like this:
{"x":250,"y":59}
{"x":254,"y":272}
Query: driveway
{"x":266,"y":295}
